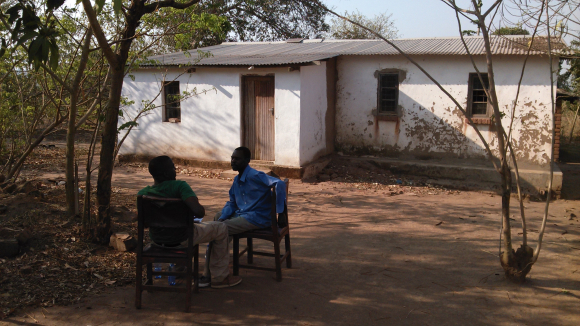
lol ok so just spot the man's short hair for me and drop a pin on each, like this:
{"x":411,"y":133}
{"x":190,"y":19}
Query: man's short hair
{"x":159,"y":165}
{"x":245,"y":151}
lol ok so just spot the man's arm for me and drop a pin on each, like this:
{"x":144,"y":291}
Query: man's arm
{"x":230,"y":207}
{"x":195,"y":206}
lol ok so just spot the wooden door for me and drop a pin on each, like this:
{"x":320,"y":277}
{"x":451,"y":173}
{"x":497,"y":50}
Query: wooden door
{"x":258,"y":116}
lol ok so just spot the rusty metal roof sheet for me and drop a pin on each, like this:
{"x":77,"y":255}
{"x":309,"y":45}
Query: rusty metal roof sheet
{"x":284,"y":53}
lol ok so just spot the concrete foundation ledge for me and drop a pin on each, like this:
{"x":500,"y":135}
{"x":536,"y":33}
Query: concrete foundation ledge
{"x":533,"y":181}
{"x":307,"y":171}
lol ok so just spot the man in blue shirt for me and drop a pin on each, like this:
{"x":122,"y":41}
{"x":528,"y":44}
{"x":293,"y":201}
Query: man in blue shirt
{"x":250,"y":200}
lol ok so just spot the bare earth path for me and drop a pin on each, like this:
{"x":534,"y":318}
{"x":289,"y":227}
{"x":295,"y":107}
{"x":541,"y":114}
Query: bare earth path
{"x":363,"y":257}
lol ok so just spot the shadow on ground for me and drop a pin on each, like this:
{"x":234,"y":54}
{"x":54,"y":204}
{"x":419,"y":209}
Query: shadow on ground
{"x":361,"y":257}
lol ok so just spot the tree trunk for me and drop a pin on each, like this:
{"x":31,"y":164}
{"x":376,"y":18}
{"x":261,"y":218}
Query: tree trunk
{"x":516,"y":265}
{"x":103,"y":228}
{"x":71,"y":191}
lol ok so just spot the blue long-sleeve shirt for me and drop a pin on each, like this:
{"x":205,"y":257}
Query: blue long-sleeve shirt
{"x":250,"y":197}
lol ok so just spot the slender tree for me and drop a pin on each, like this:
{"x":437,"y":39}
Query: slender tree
{"x":516,"y":263}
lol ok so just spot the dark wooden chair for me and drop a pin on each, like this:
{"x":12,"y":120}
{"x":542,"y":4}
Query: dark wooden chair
{"x":165,"y":212}
{"x":279,"y":230}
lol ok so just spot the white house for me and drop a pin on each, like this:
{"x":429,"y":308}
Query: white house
{"x":294,"y":102}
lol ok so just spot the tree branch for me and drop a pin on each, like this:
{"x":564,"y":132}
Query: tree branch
{"x":99,"y":34}
{"x":491,"y":8}
{"x":167,"y":3}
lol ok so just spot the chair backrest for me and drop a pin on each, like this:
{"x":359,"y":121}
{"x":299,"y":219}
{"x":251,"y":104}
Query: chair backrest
{"x":163,"y":212}
{"x":281,"y":220}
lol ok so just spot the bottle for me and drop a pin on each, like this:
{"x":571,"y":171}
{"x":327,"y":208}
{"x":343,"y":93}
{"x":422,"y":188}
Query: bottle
{"x":171,"y":278}
{"x":157,"y":268}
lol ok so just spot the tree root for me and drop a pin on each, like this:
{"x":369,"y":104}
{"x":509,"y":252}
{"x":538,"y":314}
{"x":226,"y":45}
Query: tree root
{"x":519,"y":264}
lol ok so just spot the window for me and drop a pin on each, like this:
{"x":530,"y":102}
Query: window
{"x":172,"y":105}
{"x":388,"y":93}
{"x":478,"y":104}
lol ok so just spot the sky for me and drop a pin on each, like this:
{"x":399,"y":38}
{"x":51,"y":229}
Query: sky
{"x":413,"y":18}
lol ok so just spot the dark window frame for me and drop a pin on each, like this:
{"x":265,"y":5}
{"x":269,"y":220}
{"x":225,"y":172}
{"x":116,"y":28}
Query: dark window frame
{"x":392,"y":83}
{"x":171,"y":106}
{"x":476,"y":96}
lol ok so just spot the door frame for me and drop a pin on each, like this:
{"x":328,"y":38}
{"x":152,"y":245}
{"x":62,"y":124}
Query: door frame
{"x":243,"y":125}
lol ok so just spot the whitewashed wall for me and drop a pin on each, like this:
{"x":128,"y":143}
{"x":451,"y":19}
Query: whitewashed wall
{"x":210,"y":122}
{"x":430,"y":125}
{"x":313,"y":104}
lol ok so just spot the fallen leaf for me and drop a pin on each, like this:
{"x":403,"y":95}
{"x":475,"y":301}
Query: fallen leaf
{"x":70,"y":267}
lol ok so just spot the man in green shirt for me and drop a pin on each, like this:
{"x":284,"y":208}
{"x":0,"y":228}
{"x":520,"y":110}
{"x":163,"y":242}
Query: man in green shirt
{"x":163,"y":172}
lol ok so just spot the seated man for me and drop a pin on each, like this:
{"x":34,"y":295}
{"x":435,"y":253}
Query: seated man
{"x":250,"y":203}
{"x":163,"y":171}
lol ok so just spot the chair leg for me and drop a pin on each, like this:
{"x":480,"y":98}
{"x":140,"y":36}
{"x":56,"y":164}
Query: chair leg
{"x":236,"y":255}
{"x":149,"y":273}
{"x":196,"y":268}
{"x":188,"y":273}
{"x":138,"y":284}
{"x":250,"y":250}
{"x":278,"y":262}
{"x":287,"y":248}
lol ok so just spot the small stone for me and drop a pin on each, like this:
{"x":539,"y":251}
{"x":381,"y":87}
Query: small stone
{"x":334,"y":176}
{"x":122,"y":242}
{"x":572,"y":216}
{"x":61,"y":183}
{"x":9,"y":247}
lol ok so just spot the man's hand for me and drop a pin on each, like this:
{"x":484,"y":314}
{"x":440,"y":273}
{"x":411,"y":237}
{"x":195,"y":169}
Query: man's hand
{"x":195,"y":206}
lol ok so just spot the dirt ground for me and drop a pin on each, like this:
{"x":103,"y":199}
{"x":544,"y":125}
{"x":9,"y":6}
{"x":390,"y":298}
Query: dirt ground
{"x":394,"y":252}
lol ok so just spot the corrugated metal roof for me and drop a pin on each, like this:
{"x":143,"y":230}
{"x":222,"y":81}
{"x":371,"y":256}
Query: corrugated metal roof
{"x":284,"y":53}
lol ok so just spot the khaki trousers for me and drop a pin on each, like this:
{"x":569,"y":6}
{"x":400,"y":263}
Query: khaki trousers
{"x":217,"y":233}
{"x":234,"y":225}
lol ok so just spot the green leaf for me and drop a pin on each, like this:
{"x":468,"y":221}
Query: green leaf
{"x":132,"y":77}
{"x":14,"y":13}
{"x":127,"y":125}
{"x":99,"y":4}
{"x":27,"y":36}
{"x":16,"y":30}
{"x":53,"y":4}
{"x":117,"y":5}
{"x":54,"y":56}
{"x":45,"y":50}
{"x":33,"y":50}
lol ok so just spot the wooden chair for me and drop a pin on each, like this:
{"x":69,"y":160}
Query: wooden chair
{"x":279,"y":230}
{"x":165,"y":212}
